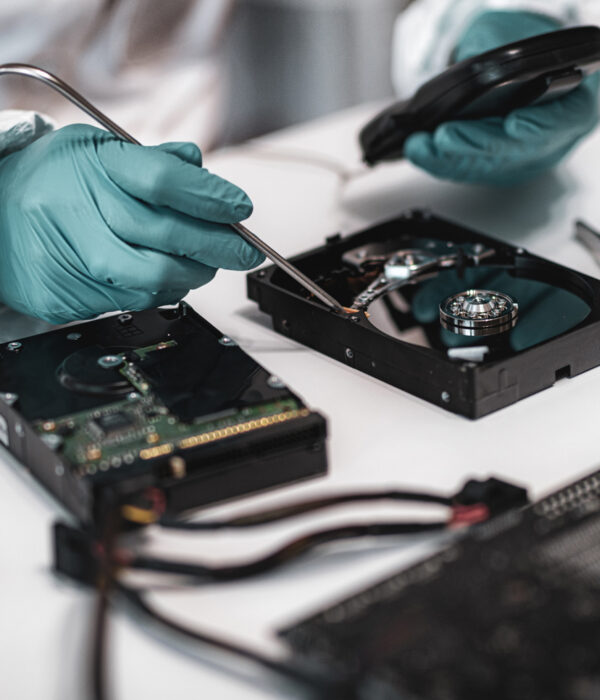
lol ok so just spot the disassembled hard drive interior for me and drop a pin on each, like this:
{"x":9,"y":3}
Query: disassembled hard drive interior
{"x":157,"y":397}
{"x":460,"y":319}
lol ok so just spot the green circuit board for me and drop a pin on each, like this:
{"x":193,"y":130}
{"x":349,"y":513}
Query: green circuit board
{"x":140,"y":426}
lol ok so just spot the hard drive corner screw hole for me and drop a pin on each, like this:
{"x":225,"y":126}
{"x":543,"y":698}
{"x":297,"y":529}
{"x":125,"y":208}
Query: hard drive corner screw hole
{"x":14,"y":346}
{"x":228,"y":342}
{"x":446,"y":397}
{"x":349,"y":353}
{"x":275,"y":383}
{"x":73,"y":336}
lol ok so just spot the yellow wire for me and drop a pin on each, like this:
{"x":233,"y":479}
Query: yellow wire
{"x":141,"y":516}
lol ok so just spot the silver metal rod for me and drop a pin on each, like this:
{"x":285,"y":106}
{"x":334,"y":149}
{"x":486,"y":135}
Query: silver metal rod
{"x":73,"y":96}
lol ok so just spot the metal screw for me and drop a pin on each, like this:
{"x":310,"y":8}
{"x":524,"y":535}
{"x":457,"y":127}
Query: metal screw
{"x":349,"y":353}
{"x":228,"y":342}
{"x":110,"y":361}
{"x":15,"y":346}
{"x":261,"y":273}
{"x":275,"y":383}
{"x":9,"y":398}
{"x":19,"y":430}
{"x":59,"y":470}
{"x":446,"y":397}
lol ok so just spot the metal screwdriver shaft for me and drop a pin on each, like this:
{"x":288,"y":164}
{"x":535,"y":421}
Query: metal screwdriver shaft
{"x":73,"y":96}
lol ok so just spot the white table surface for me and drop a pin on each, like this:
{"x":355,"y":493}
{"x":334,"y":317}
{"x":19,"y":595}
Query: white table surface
{"x":378,"y":435}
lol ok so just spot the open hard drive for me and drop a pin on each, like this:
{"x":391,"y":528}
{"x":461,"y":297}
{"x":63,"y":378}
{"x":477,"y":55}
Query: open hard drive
{"x":460,"y":319}
{"x":156,"y":399}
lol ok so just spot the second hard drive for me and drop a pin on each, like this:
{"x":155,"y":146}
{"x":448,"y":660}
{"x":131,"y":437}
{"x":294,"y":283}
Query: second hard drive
{"x":455,"y":317}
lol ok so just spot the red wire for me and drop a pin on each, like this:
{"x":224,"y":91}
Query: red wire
{"x":469,"y":515}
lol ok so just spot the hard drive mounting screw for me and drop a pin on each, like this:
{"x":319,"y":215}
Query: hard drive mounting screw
{"x":19,"y":430}
{"x":446,"y":397}
{"x":125,"y":319}
{"x":349,"y":353}
{"x":9,"y":398}
{"x":15,"y":346}
{"x":228,"y":342}
{"x":261,"y":273}
{"x":275,"y":383}
{"x":74,"y":336}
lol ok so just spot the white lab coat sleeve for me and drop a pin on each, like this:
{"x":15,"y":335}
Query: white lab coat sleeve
{"x":426,"y":33}
{"x":18,"y":128}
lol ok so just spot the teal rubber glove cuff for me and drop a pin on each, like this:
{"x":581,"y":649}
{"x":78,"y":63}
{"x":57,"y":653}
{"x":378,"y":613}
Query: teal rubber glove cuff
{"x":90,"y":224}
{"x":516,"y":148}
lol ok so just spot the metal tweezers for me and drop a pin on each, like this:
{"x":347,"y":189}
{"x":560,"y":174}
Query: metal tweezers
{"x":73,"y":96}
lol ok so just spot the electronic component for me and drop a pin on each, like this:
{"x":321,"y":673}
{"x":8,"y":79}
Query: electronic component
{"x":479,"y":312}
{"x":163,"y":400}
{"x":460,"y":319}
{"x":507,"y":612}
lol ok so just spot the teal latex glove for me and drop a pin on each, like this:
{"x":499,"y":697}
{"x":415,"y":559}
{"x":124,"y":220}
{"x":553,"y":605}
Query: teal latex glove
{"x":90,"y":224}
{"x":524,"y":144}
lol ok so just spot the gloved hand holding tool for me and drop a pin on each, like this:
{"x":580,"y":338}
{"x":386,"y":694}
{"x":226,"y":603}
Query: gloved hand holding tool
{"x":89,"y":223}
{"x":92,"y":221}
{"x":502,"y":118}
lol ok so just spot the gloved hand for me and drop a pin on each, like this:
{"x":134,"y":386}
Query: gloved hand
{"x":90,"y":224}
{"x":528,"y":141}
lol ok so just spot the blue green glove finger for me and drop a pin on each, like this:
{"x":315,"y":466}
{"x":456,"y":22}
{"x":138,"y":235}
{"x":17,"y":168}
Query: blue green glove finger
{"x":137,"y":267}
{"x":467,"y":164}
{"x":566,"y":119}
{"x":178,"y":234}
{"x":164,"y":179}
{"x":186,"y":150}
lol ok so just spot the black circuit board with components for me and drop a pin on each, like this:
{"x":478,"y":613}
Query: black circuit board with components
{"x":511,"y":611}
{"x":152,"y":398}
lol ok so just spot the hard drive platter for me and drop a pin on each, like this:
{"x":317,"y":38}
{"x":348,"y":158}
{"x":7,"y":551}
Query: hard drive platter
{"x":460,"y":319}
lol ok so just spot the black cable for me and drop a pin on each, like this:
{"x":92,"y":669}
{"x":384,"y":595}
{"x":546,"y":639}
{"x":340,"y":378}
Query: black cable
{"x":302,"y":507}
{"x":284,"y":554}
{"x":104,"y":584}
{"x":321,"y":686}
